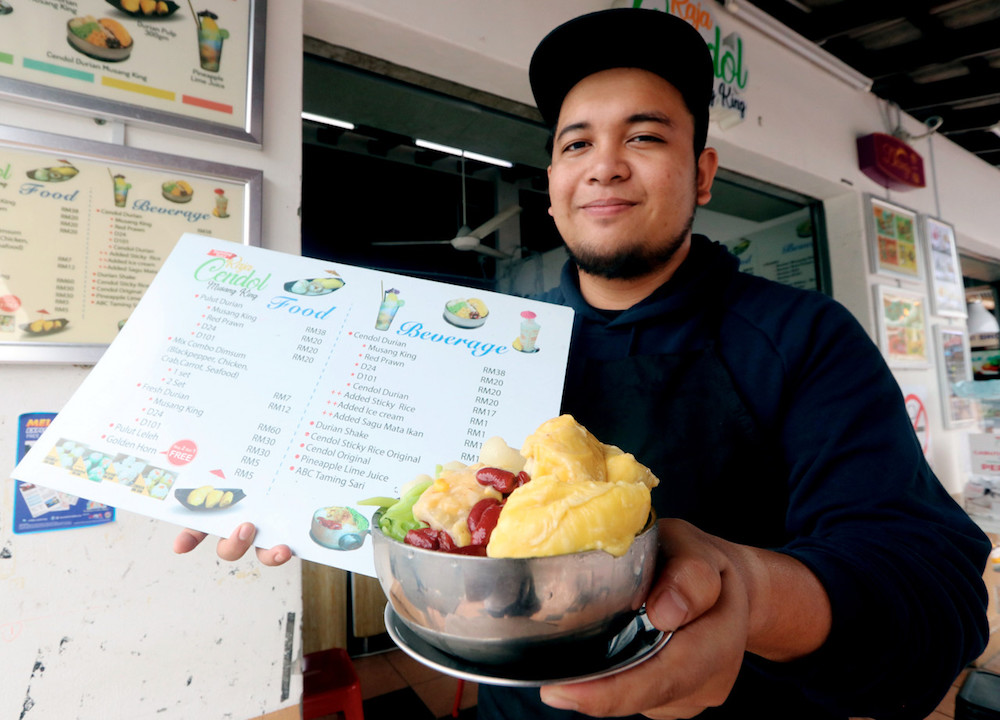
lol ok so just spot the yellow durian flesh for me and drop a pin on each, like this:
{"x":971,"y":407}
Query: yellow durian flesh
{"x":550,"y":517}
{"x":583,"y":495}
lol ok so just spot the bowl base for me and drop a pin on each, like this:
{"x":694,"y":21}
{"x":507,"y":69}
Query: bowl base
{"x":637,"y":642}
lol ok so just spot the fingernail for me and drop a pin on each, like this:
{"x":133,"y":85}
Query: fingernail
{"x":671,"y":609}
{"x":246,"y":531}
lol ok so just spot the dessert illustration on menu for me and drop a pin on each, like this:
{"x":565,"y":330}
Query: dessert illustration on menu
{"x":178,"y":191}
{"x":146,"y":8}
{"x":56,"y":173}
{"x":316,"y":286}
{"x":102,"y":39}
{"x":464,"y":313}
{"x":45,"y":326}
{"x":208,"y":497}
{"x":339,"y":528}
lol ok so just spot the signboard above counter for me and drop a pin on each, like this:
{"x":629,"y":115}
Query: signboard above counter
{"x":84,"y":228}
{"x":193,"y":67}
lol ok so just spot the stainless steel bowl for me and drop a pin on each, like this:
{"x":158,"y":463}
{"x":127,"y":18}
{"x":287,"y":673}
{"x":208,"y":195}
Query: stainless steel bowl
{"x":500,"y":610}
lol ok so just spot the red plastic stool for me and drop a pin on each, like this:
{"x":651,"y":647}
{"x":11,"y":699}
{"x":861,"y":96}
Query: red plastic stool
{"x":330,"y":685}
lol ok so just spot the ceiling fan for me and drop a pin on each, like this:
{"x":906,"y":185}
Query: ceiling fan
{"x":467,"y":238}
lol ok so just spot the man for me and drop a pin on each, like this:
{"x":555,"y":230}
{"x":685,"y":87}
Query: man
{"x":813,"y":565}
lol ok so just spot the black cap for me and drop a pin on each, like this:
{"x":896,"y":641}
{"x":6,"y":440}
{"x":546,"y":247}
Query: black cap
{"x":651,"y":40}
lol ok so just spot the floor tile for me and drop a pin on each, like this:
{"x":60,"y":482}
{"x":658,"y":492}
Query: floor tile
{"x":397,"y":704}
{"x":411,"y":670}
{"x":438,"y":694}
{"x":377,"y":676}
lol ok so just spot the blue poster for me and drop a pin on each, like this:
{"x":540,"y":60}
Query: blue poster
{"x":37,"y":508}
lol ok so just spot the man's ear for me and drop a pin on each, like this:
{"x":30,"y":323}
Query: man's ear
{"x":708,"y":164}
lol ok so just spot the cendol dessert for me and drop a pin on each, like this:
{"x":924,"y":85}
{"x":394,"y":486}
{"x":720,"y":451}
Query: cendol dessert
{"x":563,"y":492}
{"x":103,"y":33}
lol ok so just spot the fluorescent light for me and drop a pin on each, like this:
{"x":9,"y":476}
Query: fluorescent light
{"x":328,"y":120}
{"x":458,"y":152}
{"x":995,"y":128}
{"x":764,"y":23}
{"x":487,"y":159}
{"x":438,"y":146}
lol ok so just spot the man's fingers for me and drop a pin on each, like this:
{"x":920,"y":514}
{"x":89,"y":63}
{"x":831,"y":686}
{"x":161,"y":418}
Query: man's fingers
{"x":690,"y":581}
{"x":236,"y":545}
{"x":187,"y":540}
{"x":278,"y":555}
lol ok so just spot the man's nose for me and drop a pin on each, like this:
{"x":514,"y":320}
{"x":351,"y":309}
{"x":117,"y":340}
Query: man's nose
{"x":609,"y":165}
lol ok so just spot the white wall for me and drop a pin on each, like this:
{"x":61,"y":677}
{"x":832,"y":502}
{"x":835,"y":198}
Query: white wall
{"x":800,"y":133}
{"x":106,"y":622}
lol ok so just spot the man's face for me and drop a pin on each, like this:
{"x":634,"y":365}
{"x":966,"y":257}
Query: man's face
{"x":624,"y":183}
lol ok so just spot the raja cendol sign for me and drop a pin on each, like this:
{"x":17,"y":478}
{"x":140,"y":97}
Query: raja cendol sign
{"x":729,"y":105}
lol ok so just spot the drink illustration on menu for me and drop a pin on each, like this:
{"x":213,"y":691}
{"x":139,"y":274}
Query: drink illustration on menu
{"x":387,"y":308}
{"x":210,"y":37}
{"x":251,"y":385}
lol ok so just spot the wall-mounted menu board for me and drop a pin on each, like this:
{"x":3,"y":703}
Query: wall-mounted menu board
{"x":196,"y":65}
{"x":85,"y":226}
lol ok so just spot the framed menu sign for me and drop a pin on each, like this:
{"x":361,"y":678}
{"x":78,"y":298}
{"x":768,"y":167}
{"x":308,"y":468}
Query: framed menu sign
{"x":195,"y":64}
{"x":944,"y":269}
{"x":902,"y":327}
{"x":894,"y":239}
{"x":954,"y":366}
{"x":85,"y":226}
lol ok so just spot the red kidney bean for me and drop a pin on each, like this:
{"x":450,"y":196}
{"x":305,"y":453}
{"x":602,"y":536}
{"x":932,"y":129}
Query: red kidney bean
{"x":446,"y":542}
{"x":500,"y":480}
{"x":477,"y":511}
{"x":521,"y":479}
{"x":487,"y":521}
{"x":425,"y":538}
{"x":477,"y":550}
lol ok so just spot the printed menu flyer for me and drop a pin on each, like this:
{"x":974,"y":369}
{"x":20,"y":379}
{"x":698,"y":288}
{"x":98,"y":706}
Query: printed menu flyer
{"x":81,"y":240}
{"x":253,"y":385}
{"x":184,"y":58}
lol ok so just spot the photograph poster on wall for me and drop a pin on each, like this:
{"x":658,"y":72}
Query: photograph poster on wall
{"x":894,"y":239}
{"x":196,"y":66}
{"x":944,"y":269}
{"x":902,"y":327}
{"x":954,"y":366}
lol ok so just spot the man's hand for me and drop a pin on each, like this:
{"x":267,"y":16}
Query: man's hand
{"x":723,"y":599}
{"x":235,"y":546}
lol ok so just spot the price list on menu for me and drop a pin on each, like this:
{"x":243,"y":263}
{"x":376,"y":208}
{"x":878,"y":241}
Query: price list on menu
{"x":253,"y":385}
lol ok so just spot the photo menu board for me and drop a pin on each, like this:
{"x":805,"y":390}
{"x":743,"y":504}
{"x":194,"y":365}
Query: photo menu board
{"x":82,"y":236}
{"x":254,"y":385}
{"x":194,"y":64}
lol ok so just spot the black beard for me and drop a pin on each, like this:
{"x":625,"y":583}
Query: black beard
{"x":630,"y":262}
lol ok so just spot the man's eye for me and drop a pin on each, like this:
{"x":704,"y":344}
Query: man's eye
{"x":646,"y":138}
{"x":575,"y":145}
